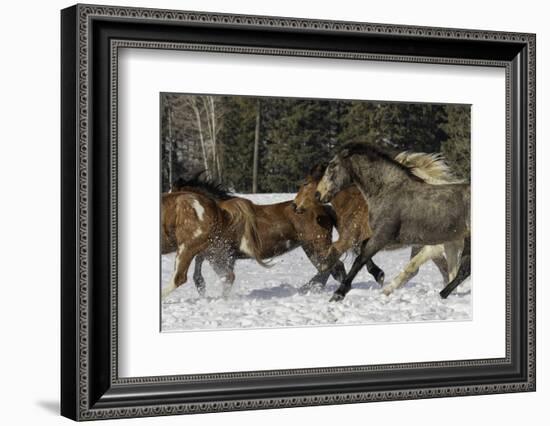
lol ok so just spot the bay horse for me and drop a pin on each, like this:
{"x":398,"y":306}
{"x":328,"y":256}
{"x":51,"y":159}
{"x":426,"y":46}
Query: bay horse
{"x":274,"y":230}
{"x":351,"y":212}
{"x":404,"y":209}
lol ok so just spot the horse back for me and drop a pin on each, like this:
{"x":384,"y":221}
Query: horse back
{"x":186,"y":215}
{"x":430,"y":214}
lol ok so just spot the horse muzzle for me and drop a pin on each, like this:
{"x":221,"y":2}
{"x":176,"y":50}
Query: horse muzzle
{"x":297,"y":210}
{"x":325,"y":198}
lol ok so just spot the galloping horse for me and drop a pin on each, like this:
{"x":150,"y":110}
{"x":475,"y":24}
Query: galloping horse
{"x":404,"y":209}
{"x":273,"y":229}
{"x":351,"y":210}
{"x":192,"y":223}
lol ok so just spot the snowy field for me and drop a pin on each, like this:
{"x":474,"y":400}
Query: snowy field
{"x":263,"y":298}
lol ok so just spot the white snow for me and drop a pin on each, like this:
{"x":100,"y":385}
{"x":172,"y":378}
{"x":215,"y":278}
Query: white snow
{"x":263,"y":298}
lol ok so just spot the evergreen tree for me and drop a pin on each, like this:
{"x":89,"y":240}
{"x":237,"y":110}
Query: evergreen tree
{"x":238,"y":141}
{"x":218,"y":134}
{"x":457,"y":147}
{"x":299,"y":133}
{"x":401,"y":126}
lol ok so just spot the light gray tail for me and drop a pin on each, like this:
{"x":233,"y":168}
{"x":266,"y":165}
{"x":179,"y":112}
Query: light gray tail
{"x":431,"y":168}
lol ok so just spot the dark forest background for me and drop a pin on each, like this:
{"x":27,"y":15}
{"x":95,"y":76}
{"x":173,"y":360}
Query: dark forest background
{"x":253,"y":144}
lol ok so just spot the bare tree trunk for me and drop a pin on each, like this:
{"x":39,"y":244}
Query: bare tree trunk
{"x":215,"y":139}
{"x":256,"y":149}
{"x":170,"y":149}
{"x":212,"y":121}
{"x":195,"y":107}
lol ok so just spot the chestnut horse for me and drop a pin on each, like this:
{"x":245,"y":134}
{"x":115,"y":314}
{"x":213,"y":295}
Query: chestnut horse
{"x":352,"y":214}
{"x":239,"y":229}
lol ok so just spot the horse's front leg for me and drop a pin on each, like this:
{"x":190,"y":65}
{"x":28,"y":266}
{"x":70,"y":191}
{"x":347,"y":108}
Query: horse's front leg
{"x":320,"y":279}
{"x":333,"y":254}
{"x":376,"y":272}
{"x":184,"y":256}
{"x":368,"y":249}
{"x":338,"y":272}
{"x":336,"y":251}
{"x":225,"y":270}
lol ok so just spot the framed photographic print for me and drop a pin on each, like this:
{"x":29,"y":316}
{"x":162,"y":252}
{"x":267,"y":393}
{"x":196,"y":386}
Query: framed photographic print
{"x":263,"y":212}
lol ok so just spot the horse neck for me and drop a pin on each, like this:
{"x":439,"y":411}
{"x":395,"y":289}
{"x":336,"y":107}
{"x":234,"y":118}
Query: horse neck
{"x":375,"y":177}
{"x":342,"y":199}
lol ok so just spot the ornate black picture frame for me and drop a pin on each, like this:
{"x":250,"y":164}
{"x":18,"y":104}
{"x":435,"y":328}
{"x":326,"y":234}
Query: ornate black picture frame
{"x":91,"y":36}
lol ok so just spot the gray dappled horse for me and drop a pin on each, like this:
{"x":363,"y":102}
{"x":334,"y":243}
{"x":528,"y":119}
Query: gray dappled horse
{"x":403,"y":208}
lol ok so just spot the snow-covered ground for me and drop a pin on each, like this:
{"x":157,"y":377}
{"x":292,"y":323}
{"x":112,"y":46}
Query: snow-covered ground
{"x":263,"y":298}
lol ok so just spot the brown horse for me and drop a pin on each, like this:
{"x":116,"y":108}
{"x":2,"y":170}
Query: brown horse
{"x":352,"y":212}
{"x":349,"y":210}
{"x":273,"y":229}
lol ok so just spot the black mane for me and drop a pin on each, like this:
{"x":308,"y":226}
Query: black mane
{"x":375,"y":153}
{"x":203,"y":186}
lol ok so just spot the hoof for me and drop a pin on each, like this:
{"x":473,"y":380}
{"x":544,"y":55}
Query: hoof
{"x":388,"y":290}
{"x":444,"y":294}
{"x":165,"y":293}
{"x":312,"y":287}
{"x":202,"y":291}
{"x":380,"y":278}
{"x":336,"y":297}
{"x":305,"y":289}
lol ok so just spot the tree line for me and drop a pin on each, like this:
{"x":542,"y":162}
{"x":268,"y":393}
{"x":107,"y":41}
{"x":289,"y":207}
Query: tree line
{"x":260,"y":144}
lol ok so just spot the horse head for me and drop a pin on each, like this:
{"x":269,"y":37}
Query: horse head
{"x":305,"y":198}
{"x":335,"y":178}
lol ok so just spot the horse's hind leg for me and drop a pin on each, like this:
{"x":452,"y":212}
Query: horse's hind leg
{"x":183,"y":260}
{"x":460,"y":250}
{"x":439,"y":261}
{"x":425,"y":254}
{"x":463,"y":273}
{"x":441,"y":264}
{"x":197,"y":275}
{"x":414,"y":251}
{"x":453,"y":253}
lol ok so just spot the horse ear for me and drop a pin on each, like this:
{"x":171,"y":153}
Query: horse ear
{"x":318,"y":171}
{"x":178,"y":183}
